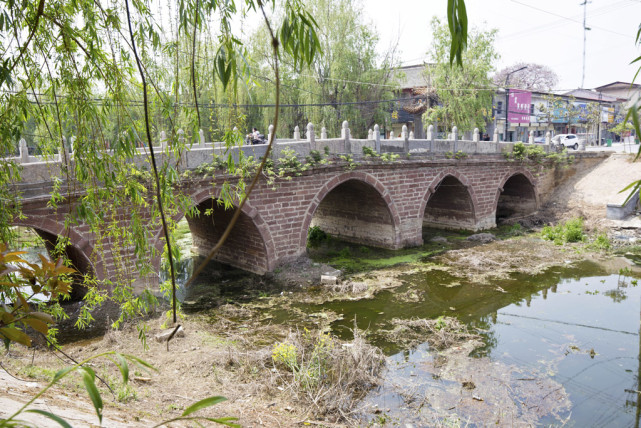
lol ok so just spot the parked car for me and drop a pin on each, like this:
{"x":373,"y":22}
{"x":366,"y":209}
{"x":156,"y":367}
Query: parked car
{"x":568,"y":140}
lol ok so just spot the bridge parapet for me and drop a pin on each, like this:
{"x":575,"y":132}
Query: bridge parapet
{"x":41,"y":168}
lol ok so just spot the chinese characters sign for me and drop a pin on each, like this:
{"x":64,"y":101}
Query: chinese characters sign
{"x":519,"y":107}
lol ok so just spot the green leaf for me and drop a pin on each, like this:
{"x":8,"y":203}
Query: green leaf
{"x":51,"y":416}
{"x":14,"y":335}
{"x":89,"y":377}
{"x":62,"y":372}
{"x":207,"y":402}
{"x":124,"y":367}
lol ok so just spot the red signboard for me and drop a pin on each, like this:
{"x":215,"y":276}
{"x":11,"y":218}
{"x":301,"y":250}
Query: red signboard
{"x":519,"y":107}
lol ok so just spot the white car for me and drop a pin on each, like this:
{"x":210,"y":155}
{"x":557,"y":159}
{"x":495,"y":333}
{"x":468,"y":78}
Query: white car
{"x":568,"y":140}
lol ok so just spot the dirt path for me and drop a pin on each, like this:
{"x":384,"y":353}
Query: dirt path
{"x":587,"y":195}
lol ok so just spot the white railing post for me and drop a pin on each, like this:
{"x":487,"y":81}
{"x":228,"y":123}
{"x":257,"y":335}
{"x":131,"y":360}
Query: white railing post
{"x":296,"y":133}
{"x":496,"y":135}
{"x":323,"y":133}
{"x":345,"y":130}
{"x":391,"y":135}
{"x":201,"y":135}
{"x":181,"y":137}
{"x":24,"y":151}
{"x":411,"y":135}
{"x":548,"y":138}
{"x":163,"y":141}
{"x":475,"y":137}
{"x":431,"y":136}
{"x":531,"y":138}
{"x":270,"y":131}
{"x":310,"y":133}
{"x":454,"y":133}
{"x":377,"y":138}
{"x":370,"y":134}
{"x":404,"y":136}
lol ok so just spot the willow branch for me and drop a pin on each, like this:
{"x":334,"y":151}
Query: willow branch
{"x":193,"y":62}
{"x":239,"y":209}
{"x":41,"y":8}
{"x":153,"y":162}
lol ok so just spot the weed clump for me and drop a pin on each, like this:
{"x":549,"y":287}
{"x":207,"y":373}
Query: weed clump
{"x":440,"y":333}
{"x":563,"y":233}
{"x":319,"y":370}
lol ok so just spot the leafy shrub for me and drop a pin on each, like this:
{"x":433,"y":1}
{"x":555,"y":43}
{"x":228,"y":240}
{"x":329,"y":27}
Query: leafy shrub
{"x":314,"y":158}
{"x":315,"y":236}
{"x":369,"y":152}
{"x":601,"y":242}
{"x":570,"y":231}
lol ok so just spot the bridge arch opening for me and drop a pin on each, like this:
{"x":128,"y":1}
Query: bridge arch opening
{"x":244,"y":248}
{"x":37,"y":241}
{"x":355,"y":211}
{"x":517,"y":198}
{"x":450,"y":206}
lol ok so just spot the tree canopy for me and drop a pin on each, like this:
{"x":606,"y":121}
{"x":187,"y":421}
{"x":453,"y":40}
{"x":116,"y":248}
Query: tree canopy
{"x":464,"y":92}
{"x":536,"y":77}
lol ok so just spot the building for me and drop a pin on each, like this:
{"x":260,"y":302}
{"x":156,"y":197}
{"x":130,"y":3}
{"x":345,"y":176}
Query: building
{"x":414,"y":101}
{"x":580,"y":111}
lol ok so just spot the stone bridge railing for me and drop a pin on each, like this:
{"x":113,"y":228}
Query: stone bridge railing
{"x":40,"y":169}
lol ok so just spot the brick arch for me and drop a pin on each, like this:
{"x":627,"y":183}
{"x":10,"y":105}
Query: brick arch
{"x":511,"y":173}
{"x":79,"y":243}
{"x":440,"y":177}
{"x":252,"y":213}
{"x":507,"y":176}
{"x":336,"y":181}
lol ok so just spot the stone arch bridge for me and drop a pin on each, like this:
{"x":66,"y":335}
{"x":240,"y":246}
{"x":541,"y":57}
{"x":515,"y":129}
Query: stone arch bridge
{"x":367,"y":201}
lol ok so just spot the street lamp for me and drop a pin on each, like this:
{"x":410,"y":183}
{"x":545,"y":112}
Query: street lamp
{"x":507,"y":97}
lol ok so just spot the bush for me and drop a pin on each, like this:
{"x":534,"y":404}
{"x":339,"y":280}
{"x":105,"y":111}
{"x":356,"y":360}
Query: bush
{"x":570,"y":231}
{"x":315,"y":236}
{"x":318,"y":369}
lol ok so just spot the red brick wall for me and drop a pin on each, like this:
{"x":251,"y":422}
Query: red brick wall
{"x":378,"y":203}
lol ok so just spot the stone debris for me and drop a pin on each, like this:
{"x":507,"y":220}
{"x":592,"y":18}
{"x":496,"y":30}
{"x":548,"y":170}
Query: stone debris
{"x":163,"y":336}
{"x":329,"y":280}
{"x":483,"y":238}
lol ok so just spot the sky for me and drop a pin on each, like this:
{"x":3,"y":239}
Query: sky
{"x":548,"y":32}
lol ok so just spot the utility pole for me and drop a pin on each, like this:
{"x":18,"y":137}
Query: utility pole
{"x":585,"y":29}
{"x":507,"y":98}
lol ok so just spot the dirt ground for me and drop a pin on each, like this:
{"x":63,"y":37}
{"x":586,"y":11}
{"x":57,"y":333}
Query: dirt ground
{"x":229,"y":351}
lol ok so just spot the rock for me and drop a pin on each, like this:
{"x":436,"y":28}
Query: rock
{"x":439,"y":239}
{"x":483,"y":238}
{"x":163,"y":336}
{"x":334,"y":272}
{"x":329,"y":279}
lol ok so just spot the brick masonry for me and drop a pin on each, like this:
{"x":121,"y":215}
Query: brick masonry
{"x":376,"y":203}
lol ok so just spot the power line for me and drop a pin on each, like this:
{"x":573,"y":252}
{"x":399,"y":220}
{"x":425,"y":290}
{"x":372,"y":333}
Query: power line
{"x":568,"y":19}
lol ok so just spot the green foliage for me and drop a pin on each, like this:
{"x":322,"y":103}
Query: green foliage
{"x":308,"y":360}
{"x":349,"y":160}
{"x":464,"y":93}
{"x":569,"y":231}
{"x":389,"y":157}
{"x":369,"y":152}
{"x":315,"y":236}
{"x":20,"y":282}
{"x":601,"y":242}
{"x":314,"y":158}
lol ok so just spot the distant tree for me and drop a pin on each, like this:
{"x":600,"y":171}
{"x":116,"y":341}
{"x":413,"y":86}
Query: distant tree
{"x":464,"y":93}
{"x":535,"y":77}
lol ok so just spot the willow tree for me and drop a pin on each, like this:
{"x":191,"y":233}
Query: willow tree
{"x":346,"y":81}
{"x":464,"y":92}
{"x":94,"y":70}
